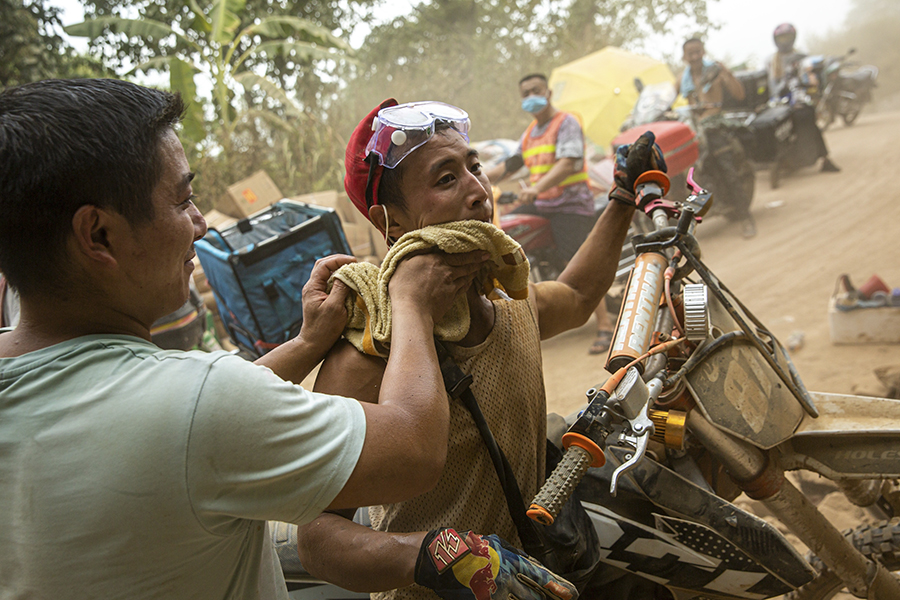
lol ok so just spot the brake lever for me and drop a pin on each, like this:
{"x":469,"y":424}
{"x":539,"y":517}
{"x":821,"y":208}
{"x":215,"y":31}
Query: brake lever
{"x":643,"y":429}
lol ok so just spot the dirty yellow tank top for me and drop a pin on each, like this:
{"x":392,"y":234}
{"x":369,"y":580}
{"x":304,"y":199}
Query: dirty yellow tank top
{"x":509,"y":387}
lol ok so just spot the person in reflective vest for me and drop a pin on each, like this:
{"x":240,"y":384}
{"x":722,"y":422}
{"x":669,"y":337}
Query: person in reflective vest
{"x":553,"y":149}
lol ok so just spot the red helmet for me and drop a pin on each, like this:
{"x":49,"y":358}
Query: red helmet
{"x":784,"y":37}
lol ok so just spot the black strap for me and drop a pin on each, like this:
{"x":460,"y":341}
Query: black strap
{"x":457,"y":384}
{"x":3,"y":287}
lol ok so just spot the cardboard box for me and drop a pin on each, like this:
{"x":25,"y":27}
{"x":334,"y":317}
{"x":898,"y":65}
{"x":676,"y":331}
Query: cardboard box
{"x":249,"y":196}
{"x":340,"y":202}
{"x":218,"y":220}
{"x":880,"y":325}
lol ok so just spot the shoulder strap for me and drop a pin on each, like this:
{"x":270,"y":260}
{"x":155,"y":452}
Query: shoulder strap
{"x":3,"y":287}
{"x":457,"y":384}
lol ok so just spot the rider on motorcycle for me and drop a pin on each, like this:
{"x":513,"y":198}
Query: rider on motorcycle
{"x":706,"y":85}
{"x":705,"y":81}
{"x":553,"y":149}
{"x":782,"y":66}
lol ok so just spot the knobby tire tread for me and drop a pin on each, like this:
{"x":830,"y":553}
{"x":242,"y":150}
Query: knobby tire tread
{"x":880,"y":542}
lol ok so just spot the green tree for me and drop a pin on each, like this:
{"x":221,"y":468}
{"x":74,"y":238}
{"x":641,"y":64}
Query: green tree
{"x":31,"y":47}
{"x":216,"y":44}
{"x":256,"y":123}
{"x":309,"y":80}
{"x":473,"y":52}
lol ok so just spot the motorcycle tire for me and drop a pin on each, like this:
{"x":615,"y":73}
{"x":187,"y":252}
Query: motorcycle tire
{"x":824,"y":115}
{"x":880,"y":542}
{"x":851,"y":112}
{"x":743,"y":179}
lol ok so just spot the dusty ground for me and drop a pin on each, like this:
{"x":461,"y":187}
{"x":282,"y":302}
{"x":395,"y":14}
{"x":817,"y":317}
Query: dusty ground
{"x":815,"y":227}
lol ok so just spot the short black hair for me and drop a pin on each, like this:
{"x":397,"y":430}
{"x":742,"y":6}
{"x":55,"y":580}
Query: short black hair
{"x":692,"y":39}
{"x":533,"y":76}
{"x":69,"y":143}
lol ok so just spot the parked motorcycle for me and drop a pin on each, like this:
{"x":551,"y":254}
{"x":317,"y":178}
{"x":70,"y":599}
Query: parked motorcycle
{"x":535,"y":235}
{"x":846,"y":89}
{"x":712,"y":145}
{"x":704,"y":403}
{"x":780,"y":134}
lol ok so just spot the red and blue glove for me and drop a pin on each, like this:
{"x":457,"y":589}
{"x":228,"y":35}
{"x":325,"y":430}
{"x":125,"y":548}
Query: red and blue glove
{"x":467,"y":566}
{"x":632,"y":161}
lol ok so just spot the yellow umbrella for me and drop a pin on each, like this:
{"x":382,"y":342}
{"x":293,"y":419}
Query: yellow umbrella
{"x":599,"y":88}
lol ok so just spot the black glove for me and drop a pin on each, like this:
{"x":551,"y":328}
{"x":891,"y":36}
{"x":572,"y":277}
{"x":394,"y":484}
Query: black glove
{"x":467,"y":566}
{"x":633,"y":161}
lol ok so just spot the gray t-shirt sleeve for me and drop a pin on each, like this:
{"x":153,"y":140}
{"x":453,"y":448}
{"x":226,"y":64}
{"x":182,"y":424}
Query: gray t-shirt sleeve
{"x":570,"y":140}
{"x":262,"y":448}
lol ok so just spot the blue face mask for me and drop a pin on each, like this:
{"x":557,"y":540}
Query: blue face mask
{"x":534,"y":104}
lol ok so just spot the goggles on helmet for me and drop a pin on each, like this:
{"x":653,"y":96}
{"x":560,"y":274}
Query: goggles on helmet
{"x":401,"y":129}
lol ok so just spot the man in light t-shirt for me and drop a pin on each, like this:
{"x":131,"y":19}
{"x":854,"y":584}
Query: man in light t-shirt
{"x":131,"y":471}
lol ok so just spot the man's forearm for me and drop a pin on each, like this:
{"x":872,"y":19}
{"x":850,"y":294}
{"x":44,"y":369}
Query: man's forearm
{"x":355,"y":557}
{"x":412,"y":379}
{"x":293,"y":360}
{"x":407,"y":431}
{"x":734,"y":87}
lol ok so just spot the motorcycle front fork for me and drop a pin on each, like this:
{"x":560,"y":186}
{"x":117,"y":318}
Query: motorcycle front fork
{"x":763,"y":480}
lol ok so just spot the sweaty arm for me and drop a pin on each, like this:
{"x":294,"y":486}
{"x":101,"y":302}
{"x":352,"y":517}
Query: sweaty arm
{"x":731,"y":83}
{"x":332,"y":547}
{"x":569,"y":301}
{"x":335,"y":549}
{"x":406,"y":431}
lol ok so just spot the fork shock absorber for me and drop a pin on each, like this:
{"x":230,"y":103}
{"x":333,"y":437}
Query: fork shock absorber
{"x":634,"y":329}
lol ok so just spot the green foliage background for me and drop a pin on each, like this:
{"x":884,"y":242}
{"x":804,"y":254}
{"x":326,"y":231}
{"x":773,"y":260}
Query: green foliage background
{"x":290,"y":113}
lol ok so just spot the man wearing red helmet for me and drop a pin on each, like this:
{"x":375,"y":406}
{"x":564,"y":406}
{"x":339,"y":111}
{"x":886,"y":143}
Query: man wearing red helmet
{"x":408,"y":167}
{"x":783,"y":65}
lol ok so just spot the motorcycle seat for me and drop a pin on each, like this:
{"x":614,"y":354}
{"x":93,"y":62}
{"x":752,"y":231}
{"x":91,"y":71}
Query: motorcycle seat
{"x":859,"y":76}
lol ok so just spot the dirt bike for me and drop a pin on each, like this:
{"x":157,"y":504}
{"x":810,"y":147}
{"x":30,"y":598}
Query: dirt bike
{"x":704,"y":403}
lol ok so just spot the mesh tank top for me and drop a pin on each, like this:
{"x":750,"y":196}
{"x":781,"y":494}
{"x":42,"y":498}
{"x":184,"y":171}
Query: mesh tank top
{"x":509,"y":387}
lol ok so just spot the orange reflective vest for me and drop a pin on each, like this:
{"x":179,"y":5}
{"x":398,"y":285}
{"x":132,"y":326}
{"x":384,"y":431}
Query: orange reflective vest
{"x":539,"y":154}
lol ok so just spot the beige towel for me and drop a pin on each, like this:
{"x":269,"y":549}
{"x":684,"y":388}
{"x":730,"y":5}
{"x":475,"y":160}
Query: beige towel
{"x":369,"y":326}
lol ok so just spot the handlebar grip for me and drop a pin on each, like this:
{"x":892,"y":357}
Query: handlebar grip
{"x":560,"y":485}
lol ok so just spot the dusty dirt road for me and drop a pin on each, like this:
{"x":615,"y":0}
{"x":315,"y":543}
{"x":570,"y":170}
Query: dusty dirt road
{"x":813,"y":228}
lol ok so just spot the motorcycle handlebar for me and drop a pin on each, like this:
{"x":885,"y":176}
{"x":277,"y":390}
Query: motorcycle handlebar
{"x":559,"y":486}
